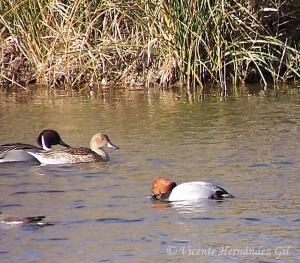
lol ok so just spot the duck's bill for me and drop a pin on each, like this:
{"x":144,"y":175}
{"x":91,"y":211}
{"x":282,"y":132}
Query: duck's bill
{"x":64,"y":144}
{"x":152,"y":196}
{"x":114,"y":147}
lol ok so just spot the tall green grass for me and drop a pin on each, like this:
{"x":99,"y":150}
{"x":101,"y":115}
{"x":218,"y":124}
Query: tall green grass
{"x":219,"y":40}
{"x":82,"y":43}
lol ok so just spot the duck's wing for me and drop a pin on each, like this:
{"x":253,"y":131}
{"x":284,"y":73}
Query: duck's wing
{"x":66,"y":156}
{"x":197,"y":190}
{"x":17,"y":146}
{"x":16,"y":152}
{"x":76,"y":151}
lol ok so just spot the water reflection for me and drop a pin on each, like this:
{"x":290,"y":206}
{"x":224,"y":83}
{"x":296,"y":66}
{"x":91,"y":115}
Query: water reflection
{"x":247,"y":144}
{"x":173,"y":94}
{"x":193,"y":206}
{"x":188,"y":206}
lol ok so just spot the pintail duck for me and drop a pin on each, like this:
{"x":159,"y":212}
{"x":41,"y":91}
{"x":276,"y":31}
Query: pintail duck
{"x":17,"y":152}
{"x":78,"y":154}
{"x":165,"y":189}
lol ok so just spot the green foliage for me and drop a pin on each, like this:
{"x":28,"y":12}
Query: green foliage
{"x":79,"y":42}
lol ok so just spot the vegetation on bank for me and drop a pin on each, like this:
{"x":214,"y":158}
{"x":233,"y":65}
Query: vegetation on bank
{"x":84,"y":43}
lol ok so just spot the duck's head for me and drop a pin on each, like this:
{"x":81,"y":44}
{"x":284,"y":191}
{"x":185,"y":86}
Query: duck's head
{"x":100,"y":140}
{"x":162,"y":185}
{"x":47,"y":138}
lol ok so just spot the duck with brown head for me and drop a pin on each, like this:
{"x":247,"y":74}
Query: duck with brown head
{"x":78,"y":154}
{"x":165,"y":189}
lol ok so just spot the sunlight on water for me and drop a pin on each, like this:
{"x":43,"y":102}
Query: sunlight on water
{"x":98,"y":212}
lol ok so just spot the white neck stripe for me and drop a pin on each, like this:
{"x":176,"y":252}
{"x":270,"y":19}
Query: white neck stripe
{"x":44,"y":144}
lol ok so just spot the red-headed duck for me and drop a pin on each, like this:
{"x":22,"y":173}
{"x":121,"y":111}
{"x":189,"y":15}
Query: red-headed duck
{"x":165,"y":189}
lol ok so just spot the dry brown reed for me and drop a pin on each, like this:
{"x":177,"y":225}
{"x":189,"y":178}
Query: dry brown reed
{"x":84,"y":43}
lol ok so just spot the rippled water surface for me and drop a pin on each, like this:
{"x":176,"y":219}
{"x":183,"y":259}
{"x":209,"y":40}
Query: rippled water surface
{"x":100,"y":212}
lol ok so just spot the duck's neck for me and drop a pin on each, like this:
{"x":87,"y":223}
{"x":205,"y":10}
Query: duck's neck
{"x":44,"y":145}
{"x":101,"y":152}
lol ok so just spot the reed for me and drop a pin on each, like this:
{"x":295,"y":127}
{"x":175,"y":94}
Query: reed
{"x":83,"y":43}
{"x":219,"y":40}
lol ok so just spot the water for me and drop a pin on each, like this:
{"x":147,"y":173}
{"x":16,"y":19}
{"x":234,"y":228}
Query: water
{"x":100,"y":212}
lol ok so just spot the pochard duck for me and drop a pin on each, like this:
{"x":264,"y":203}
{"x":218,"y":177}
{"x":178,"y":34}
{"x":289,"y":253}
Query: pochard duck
{"x":166,"y":189}
{"x":74,"y":155}
{"x":17,"y":152}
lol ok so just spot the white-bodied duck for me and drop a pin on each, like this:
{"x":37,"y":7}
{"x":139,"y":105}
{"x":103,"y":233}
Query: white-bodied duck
{"x":78,"y":154}
{"x":165,"y":189}
{"x":17,"y":152}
